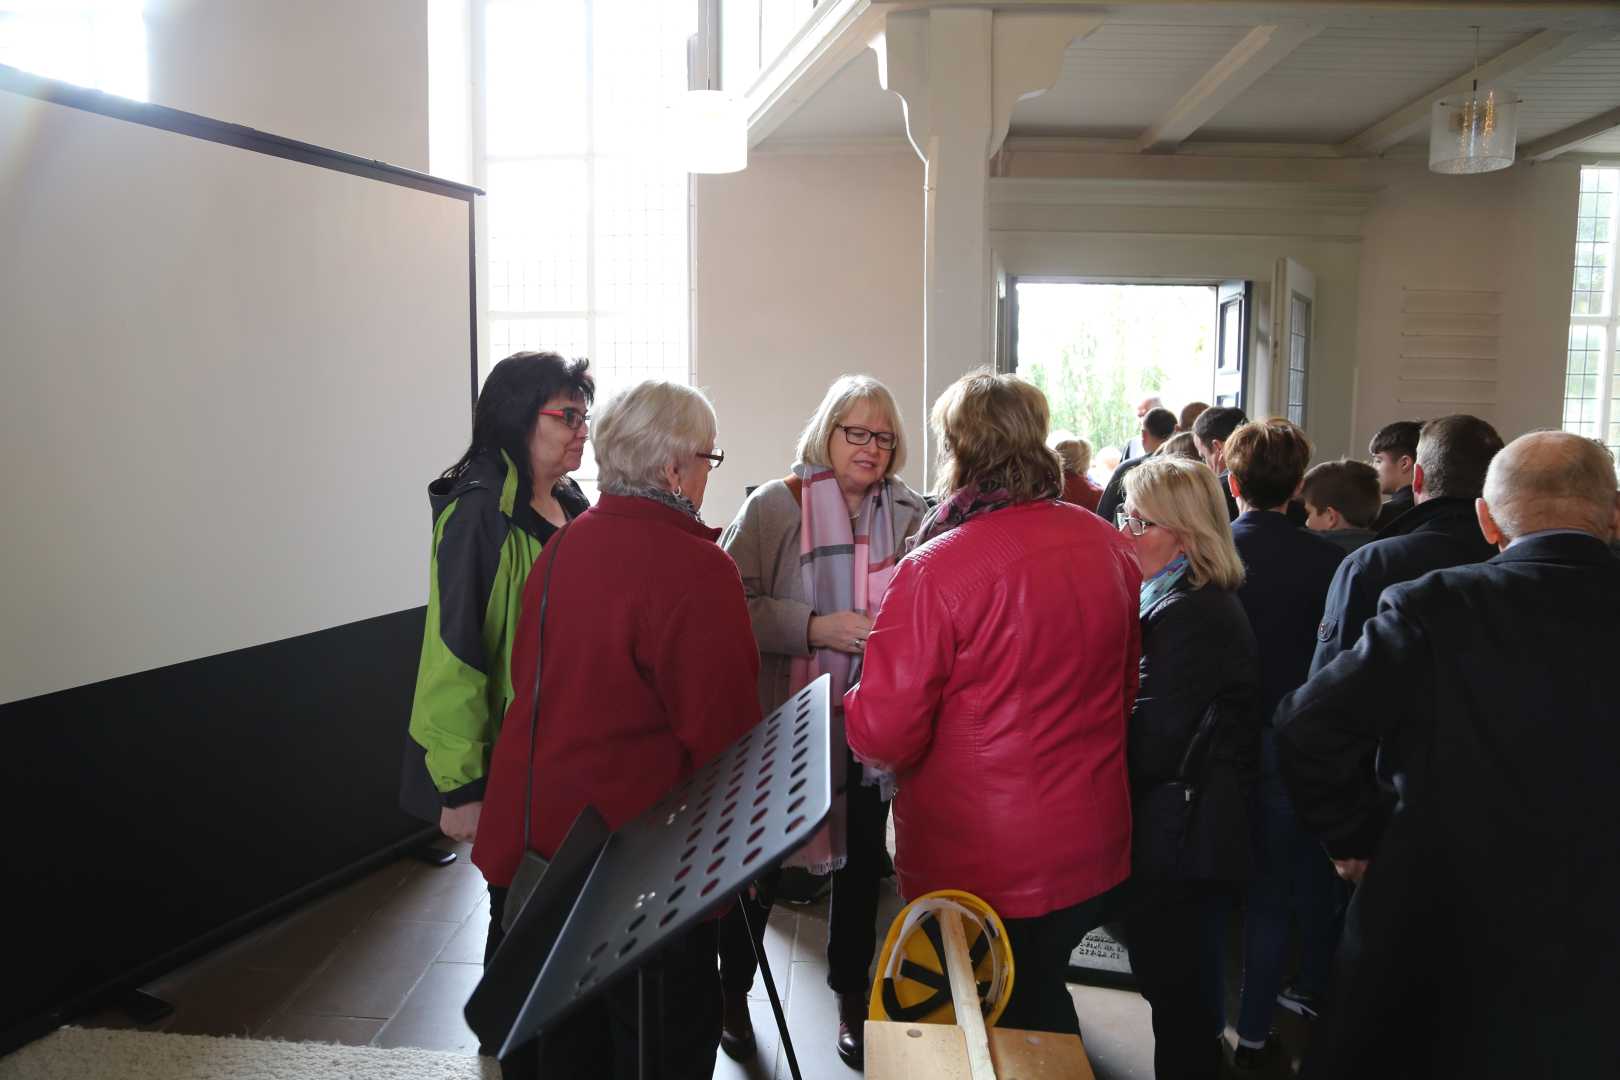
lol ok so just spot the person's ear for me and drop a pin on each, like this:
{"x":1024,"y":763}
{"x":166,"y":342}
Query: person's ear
{"x":1232,"y":485}
{"x":672,"y":477}
{"x":1417,"y":480}
{"x":1406,"y":463}
{"x":1488,"y":526}
{"x":1335,"y":519}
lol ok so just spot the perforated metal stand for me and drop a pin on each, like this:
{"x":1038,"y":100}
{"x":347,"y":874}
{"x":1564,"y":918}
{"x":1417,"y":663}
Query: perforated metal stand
{"x":609,"y":901}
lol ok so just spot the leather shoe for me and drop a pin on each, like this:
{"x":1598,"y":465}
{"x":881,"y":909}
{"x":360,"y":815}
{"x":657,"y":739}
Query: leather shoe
{"x":852,"y":1030}
{"x":736,"y":1027}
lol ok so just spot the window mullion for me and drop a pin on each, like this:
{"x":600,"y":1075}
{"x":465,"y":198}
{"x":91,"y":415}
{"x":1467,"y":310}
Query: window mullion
{"x":590,"y":181}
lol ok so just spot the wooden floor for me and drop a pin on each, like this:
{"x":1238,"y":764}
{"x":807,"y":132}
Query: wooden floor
{"x":390,"y":961}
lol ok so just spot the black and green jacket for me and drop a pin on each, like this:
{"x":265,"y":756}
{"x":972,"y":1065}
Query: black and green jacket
{"x":486,"y":538}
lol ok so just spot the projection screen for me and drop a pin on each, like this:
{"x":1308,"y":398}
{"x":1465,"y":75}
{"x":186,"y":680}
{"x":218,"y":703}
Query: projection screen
{"x":230,"y":376}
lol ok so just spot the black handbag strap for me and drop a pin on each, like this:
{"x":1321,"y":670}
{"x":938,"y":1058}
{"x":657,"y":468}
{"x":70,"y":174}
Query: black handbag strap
{"x":1201,"y":737}
{"x":534,"y":691}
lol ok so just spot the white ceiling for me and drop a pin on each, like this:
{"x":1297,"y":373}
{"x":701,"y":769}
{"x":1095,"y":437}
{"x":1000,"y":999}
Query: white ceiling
{"x":1126,"y":75}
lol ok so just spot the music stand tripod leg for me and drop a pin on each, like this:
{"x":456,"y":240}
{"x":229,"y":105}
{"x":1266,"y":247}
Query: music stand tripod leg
{"x":770,"y":988}
{"x":650,"y":1022}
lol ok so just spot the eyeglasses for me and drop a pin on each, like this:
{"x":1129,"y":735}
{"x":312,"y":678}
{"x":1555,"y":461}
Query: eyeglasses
{"x":571,"y":416}
{"x":716,"y":459}
{"x":859,"y":436}
{"x":1126,"y":521}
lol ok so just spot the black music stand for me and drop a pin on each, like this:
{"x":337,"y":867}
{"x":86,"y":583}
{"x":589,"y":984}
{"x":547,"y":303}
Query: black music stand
{"x":609,"y":900}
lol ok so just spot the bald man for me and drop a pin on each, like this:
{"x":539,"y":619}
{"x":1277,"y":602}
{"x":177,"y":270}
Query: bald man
{"x":1484,"y":937}
{"x":1135,"y":447}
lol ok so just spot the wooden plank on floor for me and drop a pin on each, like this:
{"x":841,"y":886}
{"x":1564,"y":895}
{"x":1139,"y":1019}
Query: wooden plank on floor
{"x":938,"y":1052}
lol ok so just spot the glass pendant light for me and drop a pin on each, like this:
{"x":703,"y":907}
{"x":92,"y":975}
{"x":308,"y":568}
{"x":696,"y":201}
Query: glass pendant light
{"x":1476,"y":132}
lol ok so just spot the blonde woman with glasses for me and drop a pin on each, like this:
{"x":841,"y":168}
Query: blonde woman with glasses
{"x":1194,"y":739}
{"x":816,"y":551}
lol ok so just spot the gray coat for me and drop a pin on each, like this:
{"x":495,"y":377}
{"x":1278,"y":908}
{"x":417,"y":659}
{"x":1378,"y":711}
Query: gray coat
{"x":764,"y":543}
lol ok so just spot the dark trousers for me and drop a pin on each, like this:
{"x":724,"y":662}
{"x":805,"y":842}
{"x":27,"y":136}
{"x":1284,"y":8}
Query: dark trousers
{"x":1041,"y":946}
{"x":601,"y":1039}
{"x":1166,"y":930}
{"x":852,"y":916}
{"x":1295,"y":882}
{"x":852,"y":910}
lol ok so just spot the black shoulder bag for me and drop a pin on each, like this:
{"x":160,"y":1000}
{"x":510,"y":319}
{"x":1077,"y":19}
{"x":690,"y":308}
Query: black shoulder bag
{"x":533,"y":867}
{"x":1163,"y":815}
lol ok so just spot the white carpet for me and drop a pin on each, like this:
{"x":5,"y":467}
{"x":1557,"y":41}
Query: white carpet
{"x":100,"y":1054}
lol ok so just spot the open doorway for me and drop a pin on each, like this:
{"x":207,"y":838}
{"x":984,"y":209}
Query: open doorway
{"x":1097,"y":350}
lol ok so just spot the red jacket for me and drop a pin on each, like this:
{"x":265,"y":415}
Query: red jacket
{"x":997,"y":683}
{"x":1078,"y":489}
{"x":649,"y":672}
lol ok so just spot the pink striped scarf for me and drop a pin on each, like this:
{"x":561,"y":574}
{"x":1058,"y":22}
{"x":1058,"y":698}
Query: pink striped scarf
{"x":846,"y":566}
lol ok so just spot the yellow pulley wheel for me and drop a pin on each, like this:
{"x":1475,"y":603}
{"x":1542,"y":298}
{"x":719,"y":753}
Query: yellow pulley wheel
{"x":912,"y":984}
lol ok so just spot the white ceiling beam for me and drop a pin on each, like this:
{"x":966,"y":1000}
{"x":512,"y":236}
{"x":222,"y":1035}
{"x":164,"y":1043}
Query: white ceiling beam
{"x":1550,"y":146}
{"x":1261,"y":49}
{"x":1545,"y":49}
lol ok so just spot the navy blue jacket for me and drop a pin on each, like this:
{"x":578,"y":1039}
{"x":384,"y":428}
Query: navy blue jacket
{"x":1493,"y":878}
{"x":1392,"y":511}
{"x":1289,"y":570}
{"x":1431,"y":536}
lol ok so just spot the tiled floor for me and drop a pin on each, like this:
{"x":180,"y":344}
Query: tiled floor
{"x":390,"y":960}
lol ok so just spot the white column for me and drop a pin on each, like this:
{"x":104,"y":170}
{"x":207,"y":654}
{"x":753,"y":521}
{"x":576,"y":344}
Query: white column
{"x":958,"y":72}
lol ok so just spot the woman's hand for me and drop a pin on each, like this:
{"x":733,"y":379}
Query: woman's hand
{"x":844,"y":630}
{"x":461,"y":822}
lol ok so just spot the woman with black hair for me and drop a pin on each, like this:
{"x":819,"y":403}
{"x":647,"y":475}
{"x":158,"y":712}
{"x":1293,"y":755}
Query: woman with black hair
{"x":492,"y":511}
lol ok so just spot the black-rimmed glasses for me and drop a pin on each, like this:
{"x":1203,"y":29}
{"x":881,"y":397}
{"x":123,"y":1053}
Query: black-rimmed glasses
{"x":715,"y":459}
{"x":859,"y":436}
{"x":1126,"y":521}
{"x":569,"y":415}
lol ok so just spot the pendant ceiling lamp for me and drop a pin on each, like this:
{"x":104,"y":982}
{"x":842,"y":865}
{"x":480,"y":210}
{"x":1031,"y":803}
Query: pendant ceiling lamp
{"x":1476,"y":132}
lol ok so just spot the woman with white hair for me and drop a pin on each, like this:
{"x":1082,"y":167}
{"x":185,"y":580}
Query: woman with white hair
{"x":816,"y":550}
{"x":648,"y":673}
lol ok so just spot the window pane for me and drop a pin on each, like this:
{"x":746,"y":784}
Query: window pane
{"x":537,"y":215}
{"x":536,"y":78}
{"x":507,"y":336}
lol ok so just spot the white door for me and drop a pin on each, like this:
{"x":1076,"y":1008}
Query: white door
{"x":1293,"y":338}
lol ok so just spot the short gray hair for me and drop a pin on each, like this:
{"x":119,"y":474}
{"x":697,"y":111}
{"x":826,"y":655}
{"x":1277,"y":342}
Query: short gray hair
{"x":643,"y":429}
{"x":1552,"y":480}
{"x":846,"y":392}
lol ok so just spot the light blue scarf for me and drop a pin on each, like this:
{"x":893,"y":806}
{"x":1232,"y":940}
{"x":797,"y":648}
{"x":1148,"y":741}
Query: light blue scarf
{"x":1158,"y":586}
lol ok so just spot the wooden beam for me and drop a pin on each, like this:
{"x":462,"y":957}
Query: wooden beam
{"x":1545,"y":49}
{"x":1550,"y":146}
{"x":1261,"y":49}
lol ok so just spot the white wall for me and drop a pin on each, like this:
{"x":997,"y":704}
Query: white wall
{"x":1507,"y":239}
{"x":804,"y":268}
{"x":350,"y":75}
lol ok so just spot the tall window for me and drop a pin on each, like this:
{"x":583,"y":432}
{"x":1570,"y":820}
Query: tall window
{"x":95,"y":43}
{"x":1591,"y":385}
{"x":588,"y":207}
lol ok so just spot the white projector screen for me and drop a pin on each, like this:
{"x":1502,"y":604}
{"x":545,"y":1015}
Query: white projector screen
{"x":226,"y":379}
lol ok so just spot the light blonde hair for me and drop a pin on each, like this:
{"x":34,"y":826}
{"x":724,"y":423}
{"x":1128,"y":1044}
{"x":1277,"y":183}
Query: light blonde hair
{"x":846,"y":392}
{"x":1075,"y":455}
{"x":643,"y":429}
{"x":1180,"y":445}
{"x":994,"y":426}
{"x":1184,"y":497}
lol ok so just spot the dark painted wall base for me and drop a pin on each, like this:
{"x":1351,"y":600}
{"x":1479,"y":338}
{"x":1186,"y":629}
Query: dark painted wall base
{"x":155,"y":815}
